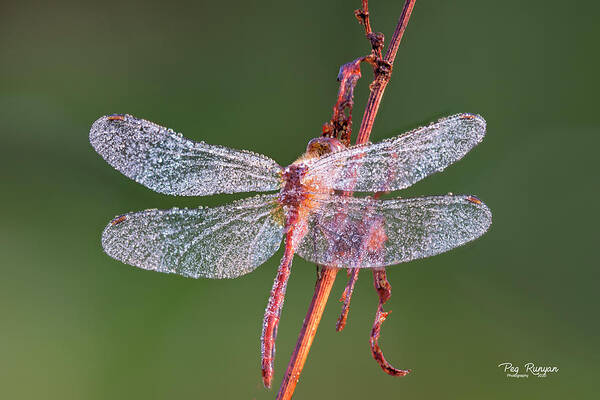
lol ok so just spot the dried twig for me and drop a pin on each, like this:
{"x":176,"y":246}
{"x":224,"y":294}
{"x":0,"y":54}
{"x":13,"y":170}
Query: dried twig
{"x":382,"y":69}
{"x":382,"y":76}
{"x":384,"y":291}
{"x":376,"y":38}
{"x":308,"y":332}
{"x":340,"y":126}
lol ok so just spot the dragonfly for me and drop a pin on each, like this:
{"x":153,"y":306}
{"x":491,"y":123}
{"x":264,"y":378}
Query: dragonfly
{"x":311,"y":211}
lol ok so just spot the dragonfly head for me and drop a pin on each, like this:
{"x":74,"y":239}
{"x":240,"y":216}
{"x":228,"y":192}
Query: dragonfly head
{"x":322,"y":145}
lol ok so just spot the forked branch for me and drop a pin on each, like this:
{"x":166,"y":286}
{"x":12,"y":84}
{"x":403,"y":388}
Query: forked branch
{"x":383,"y":75}
{"x":383,"y":70}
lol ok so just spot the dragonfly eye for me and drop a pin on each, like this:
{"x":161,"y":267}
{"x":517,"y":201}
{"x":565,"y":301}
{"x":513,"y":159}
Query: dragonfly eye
{"x":323,"y":145}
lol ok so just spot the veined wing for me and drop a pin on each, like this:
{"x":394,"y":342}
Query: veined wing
{"x":220,"y":242}
{"x":166,"y":162}
{"x":367,"y":233}
{"x":399,"y":162}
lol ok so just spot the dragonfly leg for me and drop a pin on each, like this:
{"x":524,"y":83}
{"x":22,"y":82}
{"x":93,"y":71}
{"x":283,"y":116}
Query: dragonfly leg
{"x":373,"y":246}
{"x":271,"y":318}
{"x":384,"y":291}
{"x":346,"y":297}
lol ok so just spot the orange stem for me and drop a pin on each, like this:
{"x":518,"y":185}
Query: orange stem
{"x":307,"y":333}
{"x":381,"y":78}
{"x":327,"y":277}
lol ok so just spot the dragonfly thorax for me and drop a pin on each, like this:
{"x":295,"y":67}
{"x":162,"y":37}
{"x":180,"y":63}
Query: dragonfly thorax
{"x":296,"y":189}
{"x":293,"y":191}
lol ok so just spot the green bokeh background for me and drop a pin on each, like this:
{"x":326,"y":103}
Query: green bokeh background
{"x":76,"y":324}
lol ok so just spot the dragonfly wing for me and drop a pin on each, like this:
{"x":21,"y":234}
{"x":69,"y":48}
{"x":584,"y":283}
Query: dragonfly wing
{"x":166,"y":162}
{"x":399,"y":162}
{"x":220,"y":242}
{"x":365,"y":233}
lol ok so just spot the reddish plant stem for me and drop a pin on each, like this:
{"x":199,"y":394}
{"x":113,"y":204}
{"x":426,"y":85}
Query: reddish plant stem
{"x":327,"y":277}
{"x":383,"y":71}
{"x":382,"y":77}
{"x":340,"y":126}
{"x":376,"y":39}
{"x":363,"y":16}
{"x":384,"y":291}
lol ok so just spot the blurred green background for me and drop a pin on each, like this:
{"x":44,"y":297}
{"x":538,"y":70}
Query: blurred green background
{"x":76,"y":324}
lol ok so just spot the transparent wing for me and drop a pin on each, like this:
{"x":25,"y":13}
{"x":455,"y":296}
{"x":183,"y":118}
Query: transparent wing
{"x":166,"y":162}
{"x":366,"y":233}
{"x":220,"y":242}
{"x":399,"y":162}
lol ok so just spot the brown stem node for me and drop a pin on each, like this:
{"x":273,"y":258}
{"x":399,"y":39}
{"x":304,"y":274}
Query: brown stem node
{"x":376,"y":39}
{"x":362,"y":16}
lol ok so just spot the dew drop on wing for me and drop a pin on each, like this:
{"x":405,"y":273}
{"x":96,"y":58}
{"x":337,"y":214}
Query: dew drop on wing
{"x":220,"y":242}
{"x":168,"y":163}
{"x":399,"y":162}
{"x":415,"y":228}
